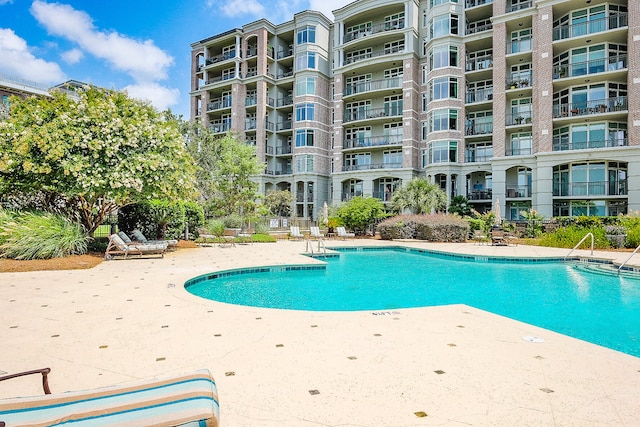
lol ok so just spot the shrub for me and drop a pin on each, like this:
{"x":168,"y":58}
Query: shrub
{"x":568,"y":237}
{"x":435,"y":228}
{"x":361,"y":212}
{"x":6,"y":218}
{"x":156,"y":218}
{"x":35,"y":235}
{"x":193,"y":214}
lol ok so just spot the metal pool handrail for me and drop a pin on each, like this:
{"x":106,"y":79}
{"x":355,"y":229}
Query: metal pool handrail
{"x":579,"y":243}
{"x":625,"y":261}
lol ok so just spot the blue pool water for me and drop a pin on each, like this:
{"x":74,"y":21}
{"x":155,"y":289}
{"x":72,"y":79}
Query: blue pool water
{"x":600,"y":308}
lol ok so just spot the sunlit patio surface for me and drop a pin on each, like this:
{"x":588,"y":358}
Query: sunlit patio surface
{"x":449,"y":365}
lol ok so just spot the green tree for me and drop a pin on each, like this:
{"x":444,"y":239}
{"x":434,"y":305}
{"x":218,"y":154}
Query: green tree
{"x":279,"y":202}
{"x":419,"y":196}
{"x":90,"y":154}
{"x":360,"y":212}
{"x":225,"y":166}
{"x":460,"y":205}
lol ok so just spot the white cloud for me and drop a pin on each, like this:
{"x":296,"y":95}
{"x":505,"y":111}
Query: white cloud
{"x":72,"y":56}
{"x":233,"y":8}
{"x":19,"y":62}
{"x":160,"y":96}
{"x":142,"y":60}
{"x":3,"y":2}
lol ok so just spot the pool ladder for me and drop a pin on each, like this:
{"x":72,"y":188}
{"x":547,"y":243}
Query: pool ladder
{"x":579,"y":243}
{"x":626,"y":260}
{"x":320,"y":244}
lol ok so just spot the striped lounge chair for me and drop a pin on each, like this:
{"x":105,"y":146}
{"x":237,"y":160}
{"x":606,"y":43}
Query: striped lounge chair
{"x":188,"y":400}
{"x":172,"y":244}
{"x":118,"y":247}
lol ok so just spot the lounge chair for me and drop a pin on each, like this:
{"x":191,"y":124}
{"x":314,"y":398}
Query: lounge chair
{"x":186,"y":400}
{"x":229,"y":236}
{"x":117,"y":247}
{"x":206,"y":235}
{"x":342,"y":233}
{"x":295,"y":233}
{"x":479,"y":236}
{"x":315,"y":233}
{"x":172,"y":244}
{"x":498,"y":238}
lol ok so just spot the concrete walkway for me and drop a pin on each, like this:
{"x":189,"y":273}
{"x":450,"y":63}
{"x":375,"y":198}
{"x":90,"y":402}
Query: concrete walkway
{"x":452,"y":365}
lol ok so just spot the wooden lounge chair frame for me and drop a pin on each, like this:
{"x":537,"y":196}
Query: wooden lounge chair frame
{"x":180,"y":400}
{"x":117,"y":247}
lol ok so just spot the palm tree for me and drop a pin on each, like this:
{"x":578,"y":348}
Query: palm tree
{"x":420,"y":197}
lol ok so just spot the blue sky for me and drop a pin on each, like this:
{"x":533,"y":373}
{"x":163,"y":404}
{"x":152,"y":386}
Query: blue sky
{"x":140,"y":46}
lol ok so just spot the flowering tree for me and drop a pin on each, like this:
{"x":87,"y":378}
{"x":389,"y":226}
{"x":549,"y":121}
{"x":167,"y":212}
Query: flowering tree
{"x":88,"y":155}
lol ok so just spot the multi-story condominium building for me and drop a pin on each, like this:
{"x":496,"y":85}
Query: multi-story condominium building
{"x":12,"y":86}
{"x":527,"y":104}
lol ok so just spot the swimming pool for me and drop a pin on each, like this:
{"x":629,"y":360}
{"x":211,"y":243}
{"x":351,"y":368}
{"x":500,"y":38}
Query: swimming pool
{"x":600,"y":308}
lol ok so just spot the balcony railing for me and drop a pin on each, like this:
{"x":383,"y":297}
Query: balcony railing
{"x":281,"y":172}
{"x":300,"y":197}
{"x":250,"y":124}
{"x":482,"y":63}
{"x":594,"y":188}
{"x":360,"y":87}
{"x":518,"y":151}
{"x":219,"y":127}
{"x":350,"y":195}
{"x":519,"y":81}
{"x":251,"y":51}
{"x":221,"y":78}
{"x":372,"y":141}
{"x":521,"y":118}
{"x":474,"y":3}
{"x":278,"y":151}
{"x":385,"y":196}
{"x":285,"y":74}
{"x":515,"y":5}
{"x":370,"y":166}
{"x":613,"y":63}
{"x":479,"y":26}
{"x":287,"y":124}
{"x":221,"y":57}
{"x":374,"y":29}
{"x":611,"y":22}
{"x":598,"y":106}
{"x":518,"y":191}
{"x":219,"y":103}
{"x":479,"y":129}
{"x":372,"y":113}
{"x":472,"y":157}
{"x":479,"y":95}
{"x":375,"y":54}
{"x":287,"y":100}
{"x":284,"y":53}
{"x":522,"y":45}
{"x":250,"y":100}
{"x":601,"y":143}
{"x":480,"y":194}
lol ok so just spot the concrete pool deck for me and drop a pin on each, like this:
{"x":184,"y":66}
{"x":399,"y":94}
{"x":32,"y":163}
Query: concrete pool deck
{"x":130,"y":319}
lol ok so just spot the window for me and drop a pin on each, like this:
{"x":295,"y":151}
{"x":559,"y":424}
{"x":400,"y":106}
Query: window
{"x":443,"y":152}
{"x":229,"y":73}
{"x":393,"y":22}
{"x":357,"y":31}
{"x":521,"y":41}
{"x":521,"y":144}
{"x":433,"y":3}
{"x":358,"y":137}
{"x":393,"y":132}
{"x":393,"y":105}
{"x":392,"y":158}
{"x":479,"y":152}
{"x":479,"y":123}
{"x":305,"y":86}
{"x":307,"y":35}
{"x":443,"y":119}
{"x":393,"y":72}
{"x":443,"y":88}
{"x":443,"y":25}
{"x":358,"y":84}
{"x":425,"y":130}
{"x":357,"y":55}
{"x":443,"y":56}
{"x":306,"y":60}
{"x":304,"y":138}
{"x":394,"y":47}
{"x":304,"y":112}
{"x":357,"y":161}
{"x":304,"y":163}
{"x":520,"y":111}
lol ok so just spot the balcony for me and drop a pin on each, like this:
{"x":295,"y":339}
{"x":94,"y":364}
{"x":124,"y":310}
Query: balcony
{"x":348,"y":196}
{"x":477,"y":195}
{"x":374,"y":29}
{"x":285,"y":125}
{"x":219,"y":103}
{"x":361,"y":57}
{"x":515,"y":5}
{"x":284,"y":53}
{"x":360,"y":87}
{"x":372,"y":113}
{"x":220,"y":126}
{"x":276,"y":172}
{"x":481,"y":63}
{"x":518,"y":191}
{"x":594,"y":188}
{"x":385,"y":196}
{"x":372,"y":141}
{"x":284,"y":74}
{"x":251,"y":100}
{"x":479,"y":95}
{"x":518,"y":151}
{"x":598,"y":106}
{"x":471,"y":157}
{"x":613,"y":63}
{"x":583,"y":145}
{"x":278,"y":151}
{"x":519,"y":82}
{"x":519,"y":119}
{"x":221,"y":78}
{"x":221,"y":57}
{"x":250,"y":124}
{"x":479,"y":129}
{"x":474,"y":3}
{"x":611,"y":22}
{"x":287,"y":100}
{"x":372,"y":166}
{"x":479,"y":26}
{"x":519,"y":46}
{"x":251,"y":52}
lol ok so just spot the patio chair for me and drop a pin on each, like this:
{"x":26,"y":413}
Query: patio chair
{"x":498,"y":238}
{"x":206,"y":235}
{"x":479,"y":237}
{"x":172,"y":244}
{"x":117,"y":247}
{"x":342,"y":233}
{"x":295,"y":233}
{"x":229,"y":237}
{"x":315,"y":233}
{"x":185,"y":400}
